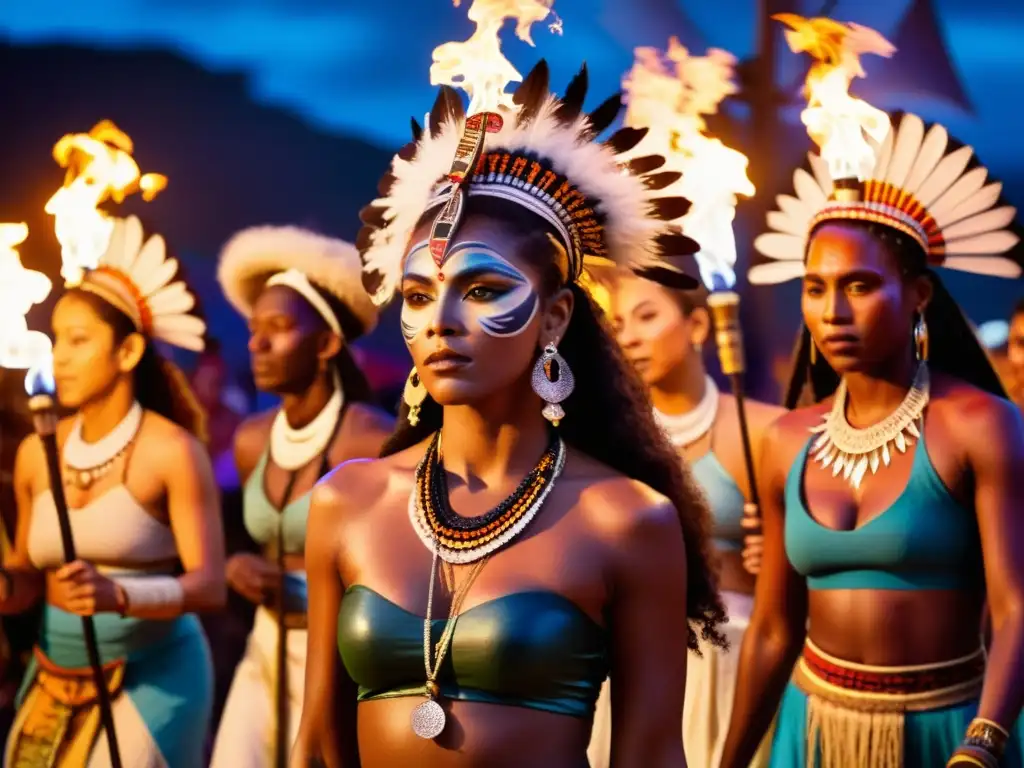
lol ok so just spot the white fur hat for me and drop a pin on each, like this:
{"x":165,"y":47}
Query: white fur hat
{"x":254,"y":255}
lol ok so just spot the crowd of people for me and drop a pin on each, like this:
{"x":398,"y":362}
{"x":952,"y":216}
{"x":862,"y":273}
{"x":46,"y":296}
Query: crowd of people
{"x":568,"y":547}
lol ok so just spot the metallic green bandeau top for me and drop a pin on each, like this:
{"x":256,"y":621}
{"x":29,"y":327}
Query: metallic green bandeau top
{"x":529,"y":649}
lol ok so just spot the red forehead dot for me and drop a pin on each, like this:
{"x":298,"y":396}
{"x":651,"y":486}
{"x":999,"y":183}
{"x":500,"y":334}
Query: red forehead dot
{"x":440,"y":277}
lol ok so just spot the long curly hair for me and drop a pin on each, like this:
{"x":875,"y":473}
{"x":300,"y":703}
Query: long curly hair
{"x":609,"y":417}
{"x":160,"y":386}
{"x":953,"y":347}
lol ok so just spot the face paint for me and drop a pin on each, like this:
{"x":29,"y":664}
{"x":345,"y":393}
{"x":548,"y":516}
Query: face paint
{"x":492,"y":292}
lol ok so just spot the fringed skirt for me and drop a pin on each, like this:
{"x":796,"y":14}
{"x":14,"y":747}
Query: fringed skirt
{"x":837,"y":714}
{"x":710,"y":686}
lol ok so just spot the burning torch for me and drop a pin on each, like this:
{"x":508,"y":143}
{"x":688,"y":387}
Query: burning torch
{"x":670,"y":93}
{"x":21,"y":348}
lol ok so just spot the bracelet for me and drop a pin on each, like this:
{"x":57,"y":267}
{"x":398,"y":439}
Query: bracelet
{"x":973,"y":756}
{"x":150,"y":592}
{"x":987,"y":735}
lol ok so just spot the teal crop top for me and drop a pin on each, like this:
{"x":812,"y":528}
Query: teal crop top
{"x":725,"y":500}
{"x":925,"y":540}
{"x":262,"y":519}
{"x":529,"y":649}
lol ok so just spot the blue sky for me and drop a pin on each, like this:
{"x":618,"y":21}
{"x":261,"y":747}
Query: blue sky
{"x":327,"y":59}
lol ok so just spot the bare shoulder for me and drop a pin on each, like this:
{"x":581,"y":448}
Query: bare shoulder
{"x":615,"y":506}
{"x":974,"y":417}
{"x":355,"y":486}
{"x":251,"y":438}
{"x":162,"y":439}
{"x":368,"y":417}
{"x":761,"y":415}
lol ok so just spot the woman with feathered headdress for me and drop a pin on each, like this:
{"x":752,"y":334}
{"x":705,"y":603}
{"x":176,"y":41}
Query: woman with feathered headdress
{"x":891,"y":494}
{"x":145,"y":519}
{"x":482,"y":636}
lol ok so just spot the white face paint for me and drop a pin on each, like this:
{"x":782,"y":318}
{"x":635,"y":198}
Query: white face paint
{"x":490,"y":291}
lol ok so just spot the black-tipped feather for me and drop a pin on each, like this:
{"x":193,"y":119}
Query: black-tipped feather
{"x":417,"y":129}
{"x":657,"y":181}
{"x":447,"y":107}
{"x":669,"y":208}
{"x":408,"y":152}
{"x":572,"y":102}
{"x":625,"y":139}
{"x":532,"y":93}
{"x":668,"y":277}
{"x":373,"y":216}
{"x":605,"y":114}
{"x":641,"y":165}
{"x":677,"y":244}
{"x":384,"y":185}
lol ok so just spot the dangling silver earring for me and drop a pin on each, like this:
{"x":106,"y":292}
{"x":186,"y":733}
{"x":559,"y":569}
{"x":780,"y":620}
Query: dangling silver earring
{"x":414,"y":395}
{"x":553,"y":382}
{"x":921,"y":339}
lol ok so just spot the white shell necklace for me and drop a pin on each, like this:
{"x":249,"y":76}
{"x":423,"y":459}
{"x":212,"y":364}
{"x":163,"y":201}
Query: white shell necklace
{"x":85,"y":463}
{"x":292,"y":448}
{"x":855,"y":451}
{"x":687,"y":428}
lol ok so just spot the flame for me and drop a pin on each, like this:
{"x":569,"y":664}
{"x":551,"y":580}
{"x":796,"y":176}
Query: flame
{"x":20,"y":288}
{"x":477,"y":65}
{"x":846,"y":129}
{"x":670,"y":94}
{"x":99,"y":167}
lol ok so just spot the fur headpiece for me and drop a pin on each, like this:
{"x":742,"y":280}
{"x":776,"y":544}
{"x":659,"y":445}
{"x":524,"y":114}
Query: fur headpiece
{"x":253,"y":256}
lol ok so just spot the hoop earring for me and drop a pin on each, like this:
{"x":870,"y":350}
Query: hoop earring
{"x":553,"y":382}
{"x":921,"y":339}
{"x":414,"y":394}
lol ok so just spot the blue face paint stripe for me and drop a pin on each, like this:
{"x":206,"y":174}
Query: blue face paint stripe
{"x":514,"y":321}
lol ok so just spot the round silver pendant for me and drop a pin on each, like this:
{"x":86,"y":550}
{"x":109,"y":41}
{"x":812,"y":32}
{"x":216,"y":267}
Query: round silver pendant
{"x":428,"y":720}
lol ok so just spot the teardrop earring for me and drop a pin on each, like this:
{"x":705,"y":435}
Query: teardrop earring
{"x":921,"y":339}
{"x":414,"y":394}
{"x":553,"y":382}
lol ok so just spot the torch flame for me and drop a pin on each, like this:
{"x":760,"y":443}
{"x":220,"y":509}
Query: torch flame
{"x":670,"y":95}
{"x":99,"y":167}
{"x":20,"y":288}
{"x":846,"y":129}
{"x":477,"y":65}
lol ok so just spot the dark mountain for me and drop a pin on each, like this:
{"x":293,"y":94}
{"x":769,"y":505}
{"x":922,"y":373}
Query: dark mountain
{"x":231,"y":162}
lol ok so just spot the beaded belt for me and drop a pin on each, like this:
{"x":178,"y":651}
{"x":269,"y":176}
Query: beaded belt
{"x":913,"y":688}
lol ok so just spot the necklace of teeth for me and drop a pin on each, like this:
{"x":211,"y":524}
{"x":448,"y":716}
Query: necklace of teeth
{"x":855,"y":451}
{"x":687,"y":428}
{"x":292,"y":448}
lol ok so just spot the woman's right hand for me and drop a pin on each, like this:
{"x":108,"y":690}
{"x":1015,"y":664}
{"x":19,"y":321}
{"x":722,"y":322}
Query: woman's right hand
{"x":253,"y":577}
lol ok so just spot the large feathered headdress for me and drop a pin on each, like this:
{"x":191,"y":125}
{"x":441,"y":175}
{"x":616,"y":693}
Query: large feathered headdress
{"x":535,"y":150}
{"x":915,"y":180}
{"x":137,"y":278}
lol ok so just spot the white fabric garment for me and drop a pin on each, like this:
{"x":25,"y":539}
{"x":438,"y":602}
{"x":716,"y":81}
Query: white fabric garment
{"x":710,"y":685}
{"x":245,"y":738}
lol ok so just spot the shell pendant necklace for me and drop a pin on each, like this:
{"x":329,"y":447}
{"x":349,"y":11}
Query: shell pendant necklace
{"x":855,"y":451}
{"x":85,"y":463}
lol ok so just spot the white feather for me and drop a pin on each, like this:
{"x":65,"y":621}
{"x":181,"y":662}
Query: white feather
{"x":775,"y":272}
{"x":988,"y":244}
{"x":146,"y":270}
{"x":946,"y":172}
{"x":992,"y":266}
{"x":962,"y":189}
{"x":821,"y":173}
{"x":777,"y":245}
{"x":884,"y":155}
{"x":807,"y":189}
{"x":780,"y":222}
{"x":905,"y":150}
{"x":174,"y":298}
{"x":997,"y":218}
{"x":932,"y":150}
{"x":981,"y":200}
{"x":795,"y":209}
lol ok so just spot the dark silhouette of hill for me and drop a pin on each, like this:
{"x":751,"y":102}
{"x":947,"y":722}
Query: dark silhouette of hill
{"x":231,"y":162}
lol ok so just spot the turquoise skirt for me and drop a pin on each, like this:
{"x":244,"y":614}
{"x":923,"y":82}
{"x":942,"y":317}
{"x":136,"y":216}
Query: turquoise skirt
{"x":929,"y":738}
{"x":168,"y":673}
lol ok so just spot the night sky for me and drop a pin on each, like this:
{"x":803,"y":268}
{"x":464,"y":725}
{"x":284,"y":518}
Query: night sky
{"x":327,"y":59}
